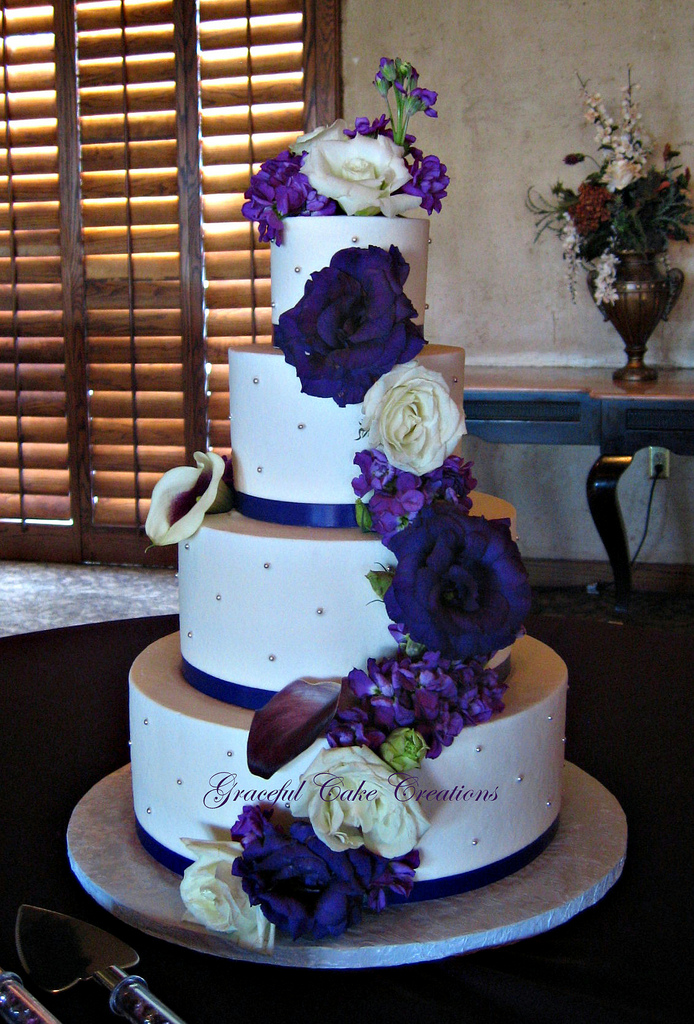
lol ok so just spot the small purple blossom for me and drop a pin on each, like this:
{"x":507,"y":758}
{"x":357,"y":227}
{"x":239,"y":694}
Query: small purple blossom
{"x":437,"y":696}
{"x":304,"y":887}
{"x":280,"y":190}
{"x":426,"y":98}
{"x":362,"y":126}
{"x":396,"y":496}
{"x":429,"y":181}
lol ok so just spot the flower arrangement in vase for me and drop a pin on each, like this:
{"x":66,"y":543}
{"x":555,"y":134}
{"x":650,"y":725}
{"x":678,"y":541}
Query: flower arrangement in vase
{"x":618,"y":224}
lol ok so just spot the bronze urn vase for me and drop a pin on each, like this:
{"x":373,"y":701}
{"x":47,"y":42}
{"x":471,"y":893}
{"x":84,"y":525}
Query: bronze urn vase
{"x":646,"y":293}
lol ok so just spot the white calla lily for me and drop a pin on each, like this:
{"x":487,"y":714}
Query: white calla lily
{"x":214,"y":896}
{"x":183,"y":496}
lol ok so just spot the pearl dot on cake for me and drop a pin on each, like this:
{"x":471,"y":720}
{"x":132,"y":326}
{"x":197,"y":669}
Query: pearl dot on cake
{"x":475,"y":842}
{"x":256,"y":380}
{"x":355,"y":238}
{"x":230,"y":753}
{"x":149,"y":810}
{"x":478,"y":749}
{"x":455,"y":380}
{"x":190,"y":634}
{"x":146,"y":721}
{"x":259,"y":469}
{"x":187,"y":547}
{"x":297,"y":270}
{"x":301,"y":426}
{"x":549,"y":803}
{"x":271,"y":657}
{"x":179,"y":782}
{"x":519,"y":778}
{"x":218,"y":597}
{"x":549,"y":718}
{"x":266,"y":565}
{"x":319,"y":611}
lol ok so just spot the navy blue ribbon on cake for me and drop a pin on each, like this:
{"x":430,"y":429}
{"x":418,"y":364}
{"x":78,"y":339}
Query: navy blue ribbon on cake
{"x":222,"y":689}
{"x":428,"y":889}
{"x":295,"y":513}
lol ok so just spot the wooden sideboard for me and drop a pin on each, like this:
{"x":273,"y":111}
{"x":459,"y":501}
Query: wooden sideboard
{"x":583,"y":406}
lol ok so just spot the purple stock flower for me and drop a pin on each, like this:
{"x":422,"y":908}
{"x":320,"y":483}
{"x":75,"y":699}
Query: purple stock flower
{"x":437,"y":696}
{"x":426,"y":98}
{"x":280,"y":190}
{"x":304,"y":887}
{"x":352,"y":325}
{"x":362,"y":126}
{"x":396,"y":496}
{"x":429,"y":180}
{"x":459,"y":586}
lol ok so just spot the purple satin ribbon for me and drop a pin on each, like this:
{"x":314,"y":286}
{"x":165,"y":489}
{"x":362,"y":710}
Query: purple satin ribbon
{"x":430,"y":889}
{"x":295,"y":513}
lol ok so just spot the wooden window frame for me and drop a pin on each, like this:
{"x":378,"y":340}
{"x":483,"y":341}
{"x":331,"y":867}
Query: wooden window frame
{"x":83,"y":541}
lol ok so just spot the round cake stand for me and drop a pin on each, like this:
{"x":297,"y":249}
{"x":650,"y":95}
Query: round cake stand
{"x":581,"y":863}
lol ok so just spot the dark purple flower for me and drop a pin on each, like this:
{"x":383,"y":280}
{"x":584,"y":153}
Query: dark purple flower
{"x":279,"y":190}
{"x":397,"y":496}
{"x":460,"y":586}
{"x":437,"y":696}
{"x":304,"y":887}
{"x":353,"y":324}
{"x":429,"y":180}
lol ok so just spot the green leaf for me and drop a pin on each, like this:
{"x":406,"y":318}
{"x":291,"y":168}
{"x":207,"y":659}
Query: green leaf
{"x":380,"y":580}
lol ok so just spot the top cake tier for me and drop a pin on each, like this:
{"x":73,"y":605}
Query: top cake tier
{"x":309,"y":243}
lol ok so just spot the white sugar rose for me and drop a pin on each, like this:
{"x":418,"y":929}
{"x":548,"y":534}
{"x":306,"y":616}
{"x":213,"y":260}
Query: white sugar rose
{"x":215,"y":897}
{"x":183,"y":496}
{"x":410,"y":416}
{"x":325,"y":133}
{"x":350,"y":802}
{"x":360,"y":174}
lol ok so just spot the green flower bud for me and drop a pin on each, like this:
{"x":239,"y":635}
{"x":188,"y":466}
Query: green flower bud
{"x":404,"y":749}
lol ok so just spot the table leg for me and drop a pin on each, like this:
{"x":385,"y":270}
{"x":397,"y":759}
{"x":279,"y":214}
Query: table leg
{"x":601,"y":489}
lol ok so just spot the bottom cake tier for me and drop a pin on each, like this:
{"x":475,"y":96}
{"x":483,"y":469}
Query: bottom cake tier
{"x":492,"y":798}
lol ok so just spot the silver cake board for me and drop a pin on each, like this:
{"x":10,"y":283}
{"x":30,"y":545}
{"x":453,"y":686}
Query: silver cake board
{"x":582,"y":862}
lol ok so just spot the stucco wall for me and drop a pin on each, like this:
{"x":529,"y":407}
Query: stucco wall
{"x":509,"y":110}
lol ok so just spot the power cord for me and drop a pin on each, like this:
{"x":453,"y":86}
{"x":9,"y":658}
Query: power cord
{"x":658,"y":472}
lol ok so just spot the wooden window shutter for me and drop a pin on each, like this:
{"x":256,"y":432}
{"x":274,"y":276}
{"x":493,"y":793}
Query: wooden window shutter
{"x":127,"y":270}
{"x":34,"y":467}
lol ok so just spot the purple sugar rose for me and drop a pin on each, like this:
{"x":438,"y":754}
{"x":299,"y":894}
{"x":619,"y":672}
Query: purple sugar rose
{"x":459,"y":586}
{"x":304,"y":887}
{"x":353,"y":324}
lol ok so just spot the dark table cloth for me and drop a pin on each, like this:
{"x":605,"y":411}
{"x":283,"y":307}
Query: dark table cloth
{"x":63,"y":709}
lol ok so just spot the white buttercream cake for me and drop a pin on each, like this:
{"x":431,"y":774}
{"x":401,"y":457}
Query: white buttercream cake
{"x":267,"y":598}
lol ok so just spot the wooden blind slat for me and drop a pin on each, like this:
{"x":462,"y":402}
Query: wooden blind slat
{"x":177,"y":103}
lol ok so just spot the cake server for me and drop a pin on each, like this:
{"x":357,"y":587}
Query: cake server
{"x":57,"y":951}
{"x":19,"y":1007}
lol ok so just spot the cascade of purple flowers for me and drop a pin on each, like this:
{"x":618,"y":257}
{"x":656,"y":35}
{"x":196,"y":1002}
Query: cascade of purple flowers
{"x":436,"y":696}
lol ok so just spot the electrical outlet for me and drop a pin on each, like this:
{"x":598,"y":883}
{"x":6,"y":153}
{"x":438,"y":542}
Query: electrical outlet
{"x":658,"y":459}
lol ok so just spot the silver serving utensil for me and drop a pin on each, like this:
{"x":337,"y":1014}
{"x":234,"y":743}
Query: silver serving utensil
{"x":57,"y":951}
{"x":19,"y":1007}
